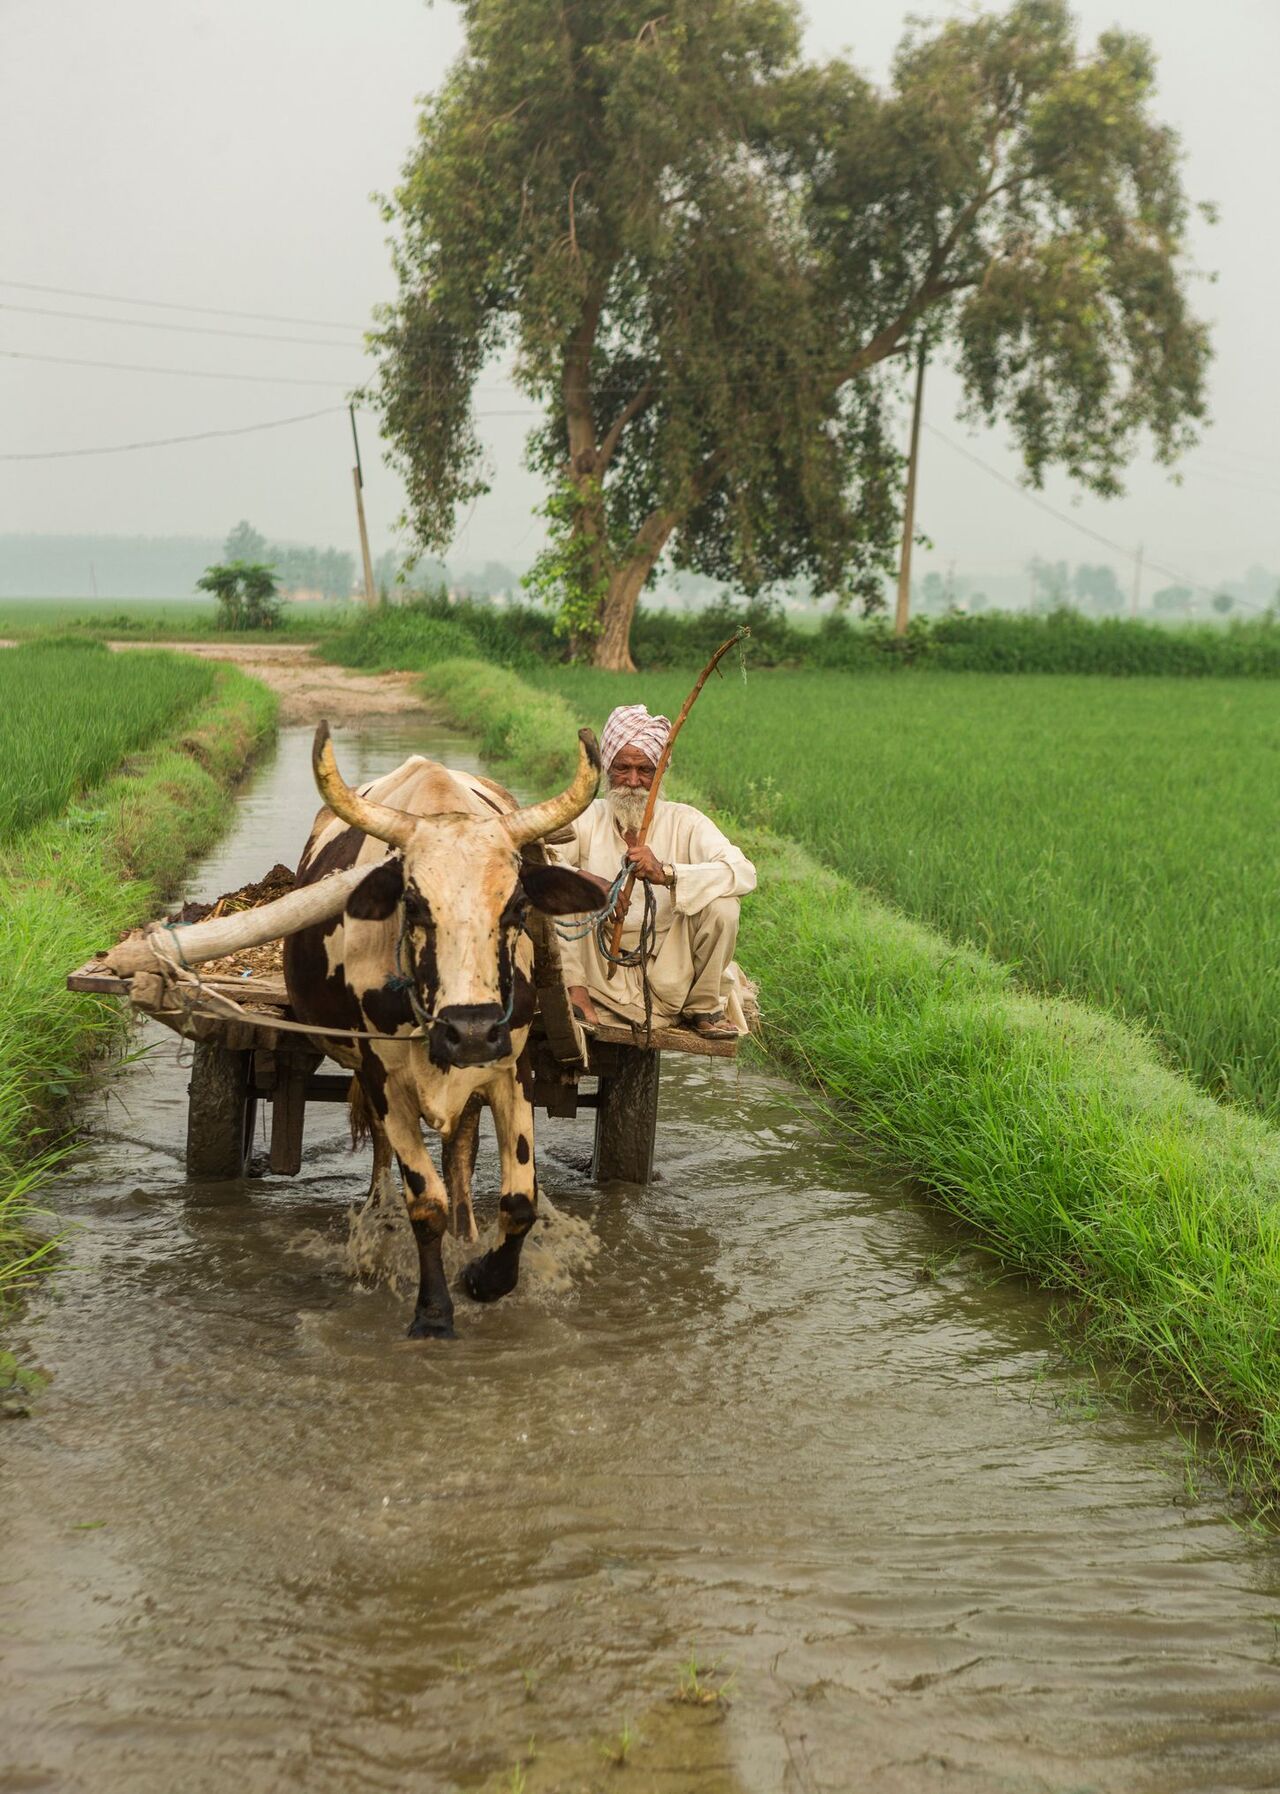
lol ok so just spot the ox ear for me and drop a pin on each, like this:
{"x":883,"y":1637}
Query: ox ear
{"x":375,"y":898}
{"x":563,"y":891}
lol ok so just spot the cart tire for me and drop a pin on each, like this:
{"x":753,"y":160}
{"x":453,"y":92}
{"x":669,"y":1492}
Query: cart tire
{"x":220,"y":1112}
{"x":627,"y":1119}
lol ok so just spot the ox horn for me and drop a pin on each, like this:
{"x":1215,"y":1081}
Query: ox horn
{"x":537,"y":820}
{"x":388,"y":824}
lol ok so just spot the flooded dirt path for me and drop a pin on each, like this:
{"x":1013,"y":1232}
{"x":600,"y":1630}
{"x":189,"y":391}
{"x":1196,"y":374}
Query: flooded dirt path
{"x":254,"y":1541}
{"x":307,"y":688}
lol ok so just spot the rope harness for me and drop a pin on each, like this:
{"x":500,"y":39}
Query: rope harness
{"x":402,"y":980}
{"x":600,"y":924}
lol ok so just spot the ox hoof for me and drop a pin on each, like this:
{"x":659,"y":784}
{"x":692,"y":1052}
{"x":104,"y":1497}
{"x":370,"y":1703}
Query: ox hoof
{"x":431,"y":1326}
{"x":487,"y":1278}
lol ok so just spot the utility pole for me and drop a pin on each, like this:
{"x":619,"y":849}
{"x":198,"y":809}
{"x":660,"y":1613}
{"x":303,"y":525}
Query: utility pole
{"x":909,"y":514}
{"x":1136,"y":595}
{"x":357,"y":474}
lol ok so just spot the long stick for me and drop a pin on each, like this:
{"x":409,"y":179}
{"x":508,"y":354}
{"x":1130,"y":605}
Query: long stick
{"x":624,"y":901}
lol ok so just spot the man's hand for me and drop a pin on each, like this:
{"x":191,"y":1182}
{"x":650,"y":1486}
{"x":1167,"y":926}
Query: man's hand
{"x":646,"y":865}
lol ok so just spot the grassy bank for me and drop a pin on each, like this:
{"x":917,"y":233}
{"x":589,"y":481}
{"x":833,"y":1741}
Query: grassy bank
{"x":1054,"y":1130}
{"x":1114,"y":841}
{"x":72,"y":883}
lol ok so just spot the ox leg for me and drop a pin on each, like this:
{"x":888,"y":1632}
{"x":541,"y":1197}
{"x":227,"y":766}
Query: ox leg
{"x":427,"y":1201}
{"x":459,"y":1154}
{"x":383,"y":1195}
{"x":495,"y":1273}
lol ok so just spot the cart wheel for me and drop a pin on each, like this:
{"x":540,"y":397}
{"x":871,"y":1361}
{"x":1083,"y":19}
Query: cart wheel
{"x":627,"y":1118}
{"x":220,"y":1112}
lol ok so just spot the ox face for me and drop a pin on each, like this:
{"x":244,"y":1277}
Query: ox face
{"x":458,"y":895}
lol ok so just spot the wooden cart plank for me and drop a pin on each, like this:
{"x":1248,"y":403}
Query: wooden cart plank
{"x":267,"y":994}
{"x":665,"y":1040}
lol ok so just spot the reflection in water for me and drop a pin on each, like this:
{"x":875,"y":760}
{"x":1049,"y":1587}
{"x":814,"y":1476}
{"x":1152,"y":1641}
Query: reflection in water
{"x":255,"y":1539}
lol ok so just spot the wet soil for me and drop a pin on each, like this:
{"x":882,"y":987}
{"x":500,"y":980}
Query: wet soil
{"x":765,"y":1414}
{"x":308,"y":688}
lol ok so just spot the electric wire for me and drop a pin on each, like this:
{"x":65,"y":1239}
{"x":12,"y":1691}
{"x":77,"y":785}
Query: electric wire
{"x":1130,"y":554}
{"x":125,"y":448}
{"x":135,"y":367}
{"x":85,"y":317}
{"x":210,"y":311}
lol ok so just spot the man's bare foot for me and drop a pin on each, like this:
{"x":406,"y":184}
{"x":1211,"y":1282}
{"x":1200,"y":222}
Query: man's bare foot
{"x":584,"y":1008}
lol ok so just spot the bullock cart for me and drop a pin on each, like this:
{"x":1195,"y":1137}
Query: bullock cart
{"x":250,"y":1051}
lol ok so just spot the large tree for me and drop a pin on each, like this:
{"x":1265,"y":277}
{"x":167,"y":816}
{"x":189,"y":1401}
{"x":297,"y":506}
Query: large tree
{"x":708,"y":258}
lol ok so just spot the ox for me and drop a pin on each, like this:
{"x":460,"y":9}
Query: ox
{"x":431,"y":955}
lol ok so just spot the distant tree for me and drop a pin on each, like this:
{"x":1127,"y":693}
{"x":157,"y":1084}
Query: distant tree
{"x":335,"y":572}
{"x":933,"y":592}
{"x":1050,"y":587}
{"x":1173,"y":600}
{"x":245,"y":544}
{"x":387,"y":570}
{"x":246,"y":594}
{"x":708,"y":257}
{"x":1223,"y":602}
{"x":1098,"y":587}
{"x":978,"y":601}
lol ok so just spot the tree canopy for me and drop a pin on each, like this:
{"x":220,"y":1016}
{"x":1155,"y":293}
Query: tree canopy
{"x":707,"y":258}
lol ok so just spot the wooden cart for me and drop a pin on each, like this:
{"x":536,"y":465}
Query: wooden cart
{"x":237,"y":1065}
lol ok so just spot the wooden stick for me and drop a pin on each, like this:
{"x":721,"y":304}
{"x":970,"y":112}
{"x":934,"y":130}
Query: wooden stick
{"x":624,"y":900}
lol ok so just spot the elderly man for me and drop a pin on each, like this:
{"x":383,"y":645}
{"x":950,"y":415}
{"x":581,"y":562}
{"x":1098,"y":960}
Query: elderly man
{"x":696,"y":877}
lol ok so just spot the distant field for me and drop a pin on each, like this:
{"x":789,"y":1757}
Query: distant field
{"x":177,"y":618}
{"x":1117,"y":841}
{"x":70,"y":715}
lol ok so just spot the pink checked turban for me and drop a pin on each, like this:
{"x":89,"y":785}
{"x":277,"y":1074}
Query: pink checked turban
{"x":630,"y":725}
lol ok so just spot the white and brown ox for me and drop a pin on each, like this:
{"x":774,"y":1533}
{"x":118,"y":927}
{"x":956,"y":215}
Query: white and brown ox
{"x":431,"y":956}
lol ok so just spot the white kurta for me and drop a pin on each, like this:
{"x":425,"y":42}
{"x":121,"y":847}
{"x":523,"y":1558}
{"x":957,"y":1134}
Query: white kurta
{"x":707,"y":866}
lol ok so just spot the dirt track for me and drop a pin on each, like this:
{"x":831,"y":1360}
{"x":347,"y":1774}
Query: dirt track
{"x":308,"y":688}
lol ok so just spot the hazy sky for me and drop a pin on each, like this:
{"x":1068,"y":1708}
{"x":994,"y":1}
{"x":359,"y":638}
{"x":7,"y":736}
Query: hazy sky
{"x":222,"y":154}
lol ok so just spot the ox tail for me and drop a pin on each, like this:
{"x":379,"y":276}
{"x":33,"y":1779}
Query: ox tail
{"x":359,"y":1116}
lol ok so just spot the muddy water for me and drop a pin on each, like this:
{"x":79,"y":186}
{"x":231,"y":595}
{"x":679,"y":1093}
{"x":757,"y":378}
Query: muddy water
{"x":253,"y":1541}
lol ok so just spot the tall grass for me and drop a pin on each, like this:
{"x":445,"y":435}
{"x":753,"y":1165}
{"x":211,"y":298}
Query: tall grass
{"x":70,"y":714}
{"x":1053,"y":1129}
{"x":69,"y":885}
{"x":1114,"y":841}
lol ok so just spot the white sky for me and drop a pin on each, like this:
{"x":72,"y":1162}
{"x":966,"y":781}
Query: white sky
{"x":222,"y":153}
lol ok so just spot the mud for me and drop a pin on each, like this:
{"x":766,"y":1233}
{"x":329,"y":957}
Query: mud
{"x":308,"y":688}
{"x":766,"y":1415}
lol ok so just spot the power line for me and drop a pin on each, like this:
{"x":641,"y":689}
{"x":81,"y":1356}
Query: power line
{"x":125,"y":448}
{"x":130,"y":367}
{"x":210,"y":311}
{"x":85,"y":317}
{"x":1073,"y":523}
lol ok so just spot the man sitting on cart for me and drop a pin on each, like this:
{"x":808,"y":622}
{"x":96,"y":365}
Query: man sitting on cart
{"x":696,"y":878}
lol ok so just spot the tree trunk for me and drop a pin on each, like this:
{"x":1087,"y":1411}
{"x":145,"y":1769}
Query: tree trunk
{"x":613,"y":644}
{"x":626,"y":582}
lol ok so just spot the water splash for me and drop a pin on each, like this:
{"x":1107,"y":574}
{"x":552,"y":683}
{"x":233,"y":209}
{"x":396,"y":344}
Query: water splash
{"x":379,"y":1249}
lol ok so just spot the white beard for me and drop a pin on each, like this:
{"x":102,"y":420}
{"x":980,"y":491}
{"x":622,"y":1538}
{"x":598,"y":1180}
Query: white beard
{"x":627,"y":807}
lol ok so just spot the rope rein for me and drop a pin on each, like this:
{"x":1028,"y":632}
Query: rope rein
{"x":599,"y":922}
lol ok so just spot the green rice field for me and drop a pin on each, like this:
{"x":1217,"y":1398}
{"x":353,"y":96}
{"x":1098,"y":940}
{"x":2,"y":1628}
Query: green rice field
{"x":114,"y":770}
{"x":169,"y":619}
{"x":1116,"y":841}
{"x":70,"y":714}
